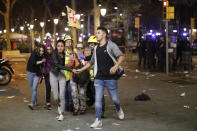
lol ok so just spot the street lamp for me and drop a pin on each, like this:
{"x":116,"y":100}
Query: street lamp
{"x":103,"y":11}
{"x":31,"y":27}
{"x":12,"y":29}
{"x":42,"y":38}
{"x":66,"y":29}
{"x":21,"y":28}
{"x":54,"y":31}
{"x":4,"y":31}
{"x":0,"y":31}
{"x":56,"y":21}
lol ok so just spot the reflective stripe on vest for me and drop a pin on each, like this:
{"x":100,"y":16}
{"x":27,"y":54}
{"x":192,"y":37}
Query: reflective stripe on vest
{"x":67,"y":57}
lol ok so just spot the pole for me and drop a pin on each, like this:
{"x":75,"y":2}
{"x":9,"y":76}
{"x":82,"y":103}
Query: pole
{"x":96,"y":16}
{"x":32,"y":39}
{"x":167,"y":65}
{"x":88,"y":24}
{"x":73,"y":29}
{"x":42,"y":38}
{"x":54,"y":35}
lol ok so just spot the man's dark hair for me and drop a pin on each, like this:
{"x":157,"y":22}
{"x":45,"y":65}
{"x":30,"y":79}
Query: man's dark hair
{"x":103,"y":29}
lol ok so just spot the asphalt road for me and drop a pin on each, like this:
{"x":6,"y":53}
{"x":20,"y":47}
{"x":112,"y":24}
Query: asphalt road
{"x":166,"y":111}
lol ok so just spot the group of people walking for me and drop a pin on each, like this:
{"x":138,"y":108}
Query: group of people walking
{"x":65,"y":72}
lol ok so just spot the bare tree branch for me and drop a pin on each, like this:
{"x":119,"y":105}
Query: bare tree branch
{"x":2,"y":13}
{"x":13,"y":3}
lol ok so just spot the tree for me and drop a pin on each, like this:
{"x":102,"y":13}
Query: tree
{"x":8,"y":6}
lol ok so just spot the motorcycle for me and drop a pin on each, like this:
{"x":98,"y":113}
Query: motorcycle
{"x":6,"y":72}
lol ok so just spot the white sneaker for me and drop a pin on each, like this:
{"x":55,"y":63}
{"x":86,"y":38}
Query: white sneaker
{"x":120,"y":114}
{"x":97,"y":123}
{"x":61,"y":118}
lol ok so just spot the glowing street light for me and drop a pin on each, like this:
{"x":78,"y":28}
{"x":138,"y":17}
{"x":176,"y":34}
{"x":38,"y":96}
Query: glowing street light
{"x":115,"y":7}
{"x":0,"y":31}
{"x":56,"y":21}
{"x":66,"y":29}
{"x":42,"y":24}
{"x":82,"y":26}
{"x":12,"y":29}
{"x":121,"y":14}
{"x":103,"y":11}
{"x":21,"y":28}
{"x":31,"y":27}
{"x":4,"y":31}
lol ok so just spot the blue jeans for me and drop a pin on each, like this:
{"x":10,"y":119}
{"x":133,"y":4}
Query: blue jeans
{"x":68,"y":95}
{"x":112,"y":88}
{"x":33,"y":80}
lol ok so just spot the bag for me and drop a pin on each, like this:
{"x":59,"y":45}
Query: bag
{"x":120,"y":71}
{"x":40,"y":80}
{"x":82,"y":77}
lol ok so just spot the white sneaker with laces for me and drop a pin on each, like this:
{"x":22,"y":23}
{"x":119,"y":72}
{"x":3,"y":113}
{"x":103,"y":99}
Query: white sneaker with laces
{"x":120,"y":114}
{"x":97,"y":123}
{"x":61,"y":118}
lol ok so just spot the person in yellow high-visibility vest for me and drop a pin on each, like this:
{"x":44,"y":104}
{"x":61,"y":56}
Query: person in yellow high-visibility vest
{"x":70,"y":63}
{"x":92,"y":42}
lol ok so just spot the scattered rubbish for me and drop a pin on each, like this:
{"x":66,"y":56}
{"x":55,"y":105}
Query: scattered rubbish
{"x":77,"y":119}
{"x":187,"y":107}
{"x":147,"y":78}
{"x":181,"y":86}
{"x":187,"y":75}
{"x":186,"y":72}
{"x":115,"y":124}
{"x":137,"y":70}
{"x":152,"y":89}
{"x":10,"y":97}
{"x":124,"y":75}
{"x":142,"y":97}
{"x":26,"y":101}
{"x":147,"y":73}
{"x":136,"y":77}
{"x":152,"y":75}
{"x":182,"y":94}
{"x":98,"y":128}
{"x":77,"y":128}
{"x":2,"y":89}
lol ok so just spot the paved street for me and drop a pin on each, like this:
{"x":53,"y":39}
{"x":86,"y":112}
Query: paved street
{"x":167,"y":110}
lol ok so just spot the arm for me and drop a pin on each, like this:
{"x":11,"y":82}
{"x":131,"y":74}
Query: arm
{"x":57,"y":64}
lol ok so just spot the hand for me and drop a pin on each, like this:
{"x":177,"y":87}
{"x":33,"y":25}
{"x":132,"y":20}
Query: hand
{"x":43,"y":60}
{"x":74,"y":71}
{"x":113,"y":69}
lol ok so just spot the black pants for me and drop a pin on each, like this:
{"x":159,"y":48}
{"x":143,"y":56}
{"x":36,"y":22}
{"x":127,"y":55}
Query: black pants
{"x":48,"y":88}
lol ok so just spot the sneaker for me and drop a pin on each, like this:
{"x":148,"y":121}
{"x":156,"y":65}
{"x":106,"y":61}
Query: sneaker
{"x":120,"y":114}
{"x":61,"y":118}
{"x":96,"y":124}
{"x":31,"y":106}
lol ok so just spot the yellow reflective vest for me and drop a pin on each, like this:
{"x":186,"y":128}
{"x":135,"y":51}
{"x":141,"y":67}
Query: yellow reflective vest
{"x":67,"y":57}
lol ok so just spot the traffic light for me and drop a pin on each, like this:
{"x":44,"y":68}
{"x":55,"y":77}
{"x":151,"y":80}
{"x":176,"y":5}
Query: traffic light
{"x":165,"y":3}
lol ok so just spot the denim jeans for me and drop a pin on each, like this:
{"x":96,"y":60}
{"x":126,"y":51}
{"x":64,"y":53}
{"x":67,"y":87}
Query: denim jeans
{"x":68,"y":95}
{"x":112,"y":88}
{"x":33,"y":80}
